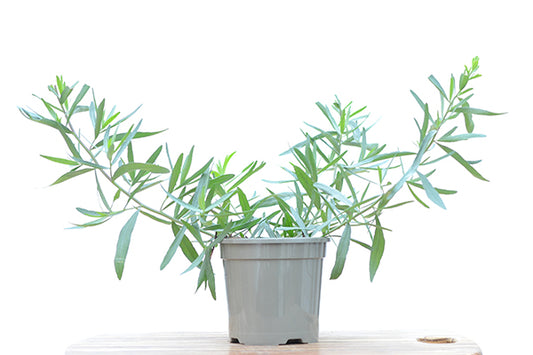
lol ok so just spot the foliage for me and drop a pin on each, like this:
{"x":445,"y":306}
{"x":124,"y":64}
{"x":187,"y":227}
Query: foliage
{"x":337,"y":178}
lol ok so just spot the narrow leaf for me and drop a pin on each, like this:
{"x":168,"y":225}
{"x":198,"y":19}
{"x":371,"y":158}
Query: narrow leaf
{"x":152,"y":168}
{"x":476,"y":111}
{"x":60,"y":160}
{"x":431,"y":193}
{"x":125,"y":142}
{"x":418,"y":199}
{"x":175,"y":173}
{"x":378,"y":247}
{"x":123,"y":244}
{"x":435,"y":82}
{"x":463,"y":162}
{"x":80,"y":96}
{"x":460,"y":137}
{"x":333,"y":193}
{"x":71,"y":174}
{"x":173,"y":247}
{"x":342,"y":251}
{"x":420,"y":102}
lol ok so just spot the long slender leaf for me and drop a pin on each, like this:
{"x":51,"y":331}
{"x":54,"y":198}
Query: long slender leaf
{"x":126,"y":117}
{"x":378,"y":247}
{"x":435,"y":82}
{"x":333,"y":193}
{"x":138,"y":135}
{"x":71,"y":174}
{"x":152,"y":168}
{"x":125,"y":142}
{"x":69,"y":143}
{"x":186,"y":165}
{"x":463,"y":162}
{"x":328,"y":115}
{"x":420,"y":102}
{"x":342,"y":251}
{"x":40,"y":119}
{"x":123,"y":244}
{"x":60,"y":160}
{"x":477,"y":111}
{"x":99,"y":118}
{"x":174,"y":175}
{"x":80,"y":96}
{"x":461,"y":137}
{"x":418,"y":199}
{"x":431,"y":193}
{"x":307,"y":184}
{"x":173,"y":247}
{"x":183,"y":203}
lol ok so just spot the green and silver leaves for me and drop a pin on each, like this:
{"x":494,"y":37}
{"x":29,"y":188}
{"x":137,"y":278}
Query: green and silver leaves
{"x":123,"y":244}
{"x":339,"y":178}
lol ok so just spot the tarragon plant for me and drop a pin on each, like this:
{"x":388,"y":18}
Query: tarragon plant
{"x":337,"y":179}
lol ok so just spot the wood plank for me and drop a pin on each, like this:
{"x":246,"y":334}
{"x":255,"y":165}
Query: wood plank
{"x":368,"y":343}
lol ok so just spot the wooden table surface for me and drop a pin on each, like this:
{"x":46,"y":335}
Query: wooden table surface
{"x":368,"y":343}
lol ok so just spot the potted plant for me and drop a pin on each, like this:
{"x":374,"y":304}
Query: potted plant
{"x":337,"y":179}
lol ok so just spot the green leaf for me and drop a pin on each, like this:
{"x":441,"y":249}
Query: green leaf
{"x":51,"y":110}
{"x":123,"y":244}
{"x":452,"y":86}
{"x":64,"y":95}
{"x":182,"y":203}
{"x":99,"y":118}
{"x":463,"y":80}
{"x":120,"y":136}
{"x":416,"y":197}
{"x":469,"y":122}
{"x":378,"y":247}
{"x":186,"y":246}
{"x":333,"y":193}
{"x":69,"y":143}
{"x":476,"y":111}
{"x":439,"y":190}
{"x":248,"y":171}
{"x":80,"y":96}
{"x":463,"y":162}
{"x":157,"y":219}
{"x":71,"y":174}
{"x":35,"y":117}
{"x":186,"y":165}
{"x":60,"y":160}
{"x":126,"y":117}
{"x":125,"y":142}
{"x":220,"y":201}
{"x":461,"y":137}
{"x":435,"y":82}
{"x":328,"y":115}
{"x":307,"y":184}
{"x":175,"y":173}
{"x":152,"y":168}
{"x":101,"y":193}
{"x":431,"y":193}
{"x":88,"y":163}
{"x":299,"y":222}
{"x":173,"y":247}
{"x":95,"y":222}
{"x":97,"y":214}
{"x":420,"y":102}
{"x":342,"y":251}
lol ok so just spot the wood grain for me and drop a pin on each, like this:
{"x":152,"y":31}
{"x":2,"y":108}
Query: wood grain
{"x":367,"y":343}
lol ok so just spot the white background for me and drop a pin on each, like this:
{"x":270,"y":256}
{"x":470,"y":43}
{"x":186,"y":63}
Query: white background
{"x":243,"y":76}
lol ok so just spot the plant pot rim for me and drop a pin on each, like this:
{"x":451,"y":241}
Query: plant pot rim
{"x":299,"y":240}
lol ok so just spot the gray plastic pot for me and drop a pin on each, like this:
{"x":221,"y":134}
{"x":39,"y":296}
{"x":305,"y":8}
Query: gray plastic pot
{"x":273,"y":289}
